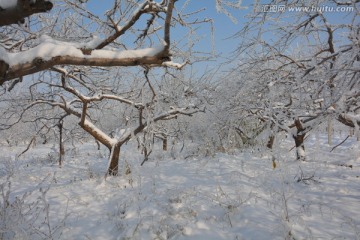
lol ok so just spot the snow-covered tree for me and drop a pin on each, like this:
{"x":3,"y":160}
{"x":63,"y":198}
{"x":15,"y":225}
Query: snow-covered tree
{"x":60,"y":62}
{"x":43,"y":42}
{"x":301,"y":67}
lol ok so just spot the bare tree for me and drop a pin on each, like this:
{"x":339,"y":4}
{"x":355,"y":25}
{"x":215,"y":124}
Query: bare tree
{"x":299,"y":68}
{"x":25,"y":51}
{"x":59,"y":63}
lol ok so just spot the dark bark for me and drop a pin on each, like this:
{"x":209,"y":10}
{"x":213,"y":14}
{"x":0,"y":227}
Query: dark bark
{"x":165,"y":144}
{"x":299,"y":140}
{"x":346,"y":121}
{"x":61,"y":144}
{"x":167,"y":27}
{"x":3,"y":67}
{"x":114,"y":160}
{"x":146,"y":156}
{"x":23,"y":9}
{"x":270,"y":142}
{"x":97,"y":144}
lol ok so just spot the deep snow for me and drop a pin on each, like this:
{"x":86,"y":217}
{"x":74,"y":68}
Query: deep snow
{"x":237,"y":196}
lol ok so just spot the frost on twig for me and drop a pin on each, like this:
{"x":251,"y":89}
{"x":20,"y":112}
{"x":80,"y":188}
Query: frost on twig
{"x":174,"y":65}
{"x":27,"y":216}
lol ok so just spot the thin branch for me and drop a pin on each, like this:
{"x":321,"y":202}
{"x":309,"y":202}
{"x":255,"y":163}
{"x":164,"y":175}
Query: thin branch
{"x":146,"y":72}
{"x":120,"y":31}
{"x":340,"y":143}
{"x":83,"y":114}
{"x":168,"y":24}
{"x":28,"y":146}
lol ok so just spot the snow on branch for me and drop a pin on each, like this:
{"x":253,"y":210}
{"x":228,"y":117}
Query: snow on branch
{"x":14,"y":11}
{"x":350,"y":120}
{"x":50,"y":53}
{"x":172,"y":64}
{"x":167,"y":115}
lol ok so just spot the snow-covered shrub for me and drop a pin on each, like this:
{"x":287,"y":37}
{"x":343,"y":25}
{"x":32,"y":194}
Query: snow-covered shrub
{"x":27,"y":215}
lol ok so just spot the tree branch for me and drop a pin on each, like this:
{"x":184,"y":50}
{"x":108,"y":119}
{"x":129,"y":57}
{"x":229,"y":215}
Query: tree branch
{"x":346,"y":120}
{"x":118,"y":32}
{"x":168,"y":24}
{"x":23,"y":9}
{"x":39,"y":64}
{"x":51,"y":52}
{"x":340,"y":143}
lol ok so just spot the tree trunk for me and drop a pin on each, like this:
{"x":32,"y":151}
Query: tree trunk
{"x":299,"y":140}
{"x":330,"y":130}
{"x":270,"y":142}
{"x":300,"y":148}
{"x":61,"y":144}
{"x":114,"y":160}
{"x":165,"y":143}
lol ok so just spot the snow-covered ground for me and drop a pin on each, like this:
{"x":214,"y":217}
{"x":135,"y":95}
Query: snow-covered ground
{"x":238,"y":196}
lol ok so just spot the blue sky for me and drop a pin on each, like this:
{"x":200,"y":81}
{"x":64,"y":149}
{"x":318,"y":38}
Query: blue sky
{"x":224,"y":27}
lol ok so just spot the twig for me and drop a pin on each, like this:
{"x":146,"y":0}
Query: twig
{"x":28,"y":146}
{"x":149,"y":83}
{"x":340,"y":143}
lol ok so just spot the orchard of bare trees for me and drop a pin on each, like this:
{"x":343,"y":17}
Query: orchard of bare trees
{"x":179,"y":119}
{"x":60,"y":61}
{"x":123,"y":75}
{"x":293,"y":72}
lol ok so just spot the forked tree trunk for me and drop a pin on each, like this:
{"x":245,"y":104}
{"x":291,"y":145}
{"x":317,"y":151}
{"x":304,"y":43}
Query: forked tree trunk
{"x":106,"y":140}
{"x":299,"y":140}
{"x":114,"y":160}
